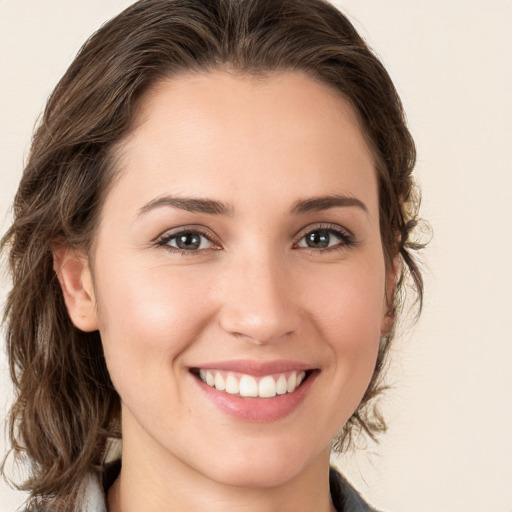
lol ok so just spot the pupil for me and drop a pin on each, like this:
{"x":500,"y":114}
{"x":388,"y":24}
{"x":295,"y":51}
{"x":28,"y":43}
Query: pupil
{"x":318,"y":239}
{"x":188,"y":241}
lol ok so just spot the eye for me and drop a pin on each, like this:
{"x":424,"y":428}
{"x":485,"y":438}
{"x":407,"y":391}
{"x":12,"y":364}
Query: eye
{"x":187,"y":240}
{"x":324,"y":238}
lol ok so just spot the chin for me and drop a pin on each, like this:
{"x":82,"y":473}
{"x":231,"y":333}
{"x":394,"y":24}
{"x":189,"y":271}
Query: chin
{"x":263,"y":467}
{"x":256,"y":476}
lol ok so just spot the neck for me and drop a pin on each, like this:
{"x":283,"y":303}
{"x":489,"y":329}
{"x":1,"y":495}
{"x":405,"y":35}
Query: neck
{"x":153,"y":481}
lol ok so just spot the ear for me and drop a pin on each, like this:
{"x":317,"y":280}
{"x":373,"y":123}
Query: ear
{"x":393,"y":274}
{"x":72,"y":269}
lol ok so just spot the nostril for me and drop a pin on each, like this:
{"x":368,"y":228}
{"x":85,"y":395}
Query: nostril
{"x":260,"y":329}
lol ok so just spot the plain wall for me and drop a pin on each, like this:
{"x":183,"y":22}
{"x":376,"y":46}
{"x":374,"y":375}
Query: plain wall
{"x":449,"y":446}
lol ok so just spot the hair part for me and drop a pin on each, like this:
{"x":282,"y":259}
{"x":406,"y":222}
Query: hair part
{"x":66,"y":407}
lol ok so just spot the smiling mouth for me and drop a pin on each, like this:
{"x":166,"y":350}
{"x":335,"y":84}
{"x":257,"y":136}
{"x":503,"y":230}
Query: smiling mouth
{"x":245,"y":385}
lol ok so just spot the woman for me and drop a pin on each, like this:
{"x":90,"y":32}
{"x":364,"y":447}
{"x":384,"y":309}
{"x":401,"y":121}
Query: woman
{"x":208,"y":252}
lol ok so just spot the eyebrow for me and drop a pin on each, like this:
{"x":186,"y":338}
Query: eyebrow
{"x":189,"y":204}
{"x":211,"y":206}
{"x":319,"y":203}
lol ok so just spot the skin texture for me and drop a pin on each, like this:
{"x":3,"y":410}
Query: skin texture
{"x":253,"y":290}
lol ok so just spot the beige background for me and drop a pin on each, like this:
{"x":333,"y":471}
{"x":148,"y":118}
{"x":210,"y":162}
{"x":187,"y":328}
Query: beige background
{"x":449,"y":447}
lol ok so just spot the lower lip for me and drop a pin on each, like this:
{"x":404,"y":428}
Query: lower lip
{"x":258,"y":409}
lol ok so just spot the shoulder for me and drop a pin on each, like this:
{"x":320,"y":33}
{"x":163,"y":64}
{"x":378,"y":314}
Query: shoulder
{"x":344,"y":497}
{"x":93,"y":490}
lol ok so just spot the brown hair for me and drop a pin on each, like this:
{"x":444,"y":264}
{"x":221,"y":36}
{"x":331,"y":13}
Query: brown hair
{"x":66,"y":407}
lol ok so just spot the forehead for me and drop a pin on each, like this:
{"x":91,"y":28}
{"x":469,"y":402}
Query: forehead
{"x":219,"y":132}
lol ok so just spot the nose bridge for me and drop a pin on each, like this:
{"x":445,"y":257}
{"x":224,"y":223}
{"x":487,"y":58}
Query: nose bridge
{"x":258,"y":302}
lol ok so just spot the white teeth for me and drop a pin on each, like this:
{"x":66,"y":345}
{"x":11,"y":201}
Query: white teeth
{"x":292,"y":382}
{"x":281,"y":385}
{"x":232,"y":385}
{"x":267,"y":387}
{"x":220,"y":383}
{"x":249,"y":386}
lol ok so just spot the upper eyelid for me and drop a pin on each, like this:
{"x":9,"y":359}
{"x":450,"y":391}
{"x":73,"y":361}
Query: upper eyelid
{"x":162,"y":242}
{"x":328,"y":226}
{"x":172,"y":232}
{"x":347,"y":238}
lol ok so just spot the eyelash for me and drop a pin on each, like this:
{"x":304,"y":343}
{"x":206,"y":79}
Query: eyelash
{"x":164,"y":240}
{"x":346,"y":237}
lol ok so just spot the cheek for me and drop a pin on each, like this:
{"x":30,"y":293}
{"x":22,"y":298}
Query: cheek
{"x":350,"y":300}
{"x":348,"y":312}
{"x":148,"y":318}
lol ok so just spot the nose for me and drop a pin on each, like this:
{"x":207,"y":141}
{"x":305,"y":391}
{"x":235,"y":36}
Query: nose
{"x":260,"y":301}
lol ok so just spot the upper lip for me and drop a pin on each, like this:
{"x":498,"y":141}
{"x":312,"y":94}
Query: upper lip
{"x":255,"y":368}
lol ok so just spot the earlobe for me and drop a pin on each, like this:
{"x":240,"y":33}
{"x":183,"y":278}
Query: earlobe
{"x":74,"y":275}
{"x":392,"y":278}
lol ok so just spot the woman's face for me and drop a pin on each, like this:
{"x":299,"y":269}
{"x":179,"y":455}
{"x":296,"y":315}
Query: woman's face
{"x":240,"y":246}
